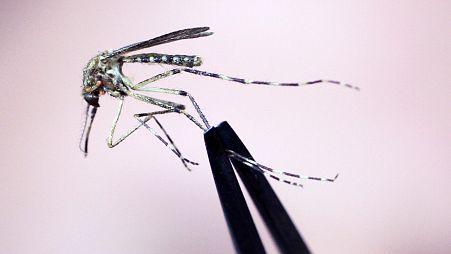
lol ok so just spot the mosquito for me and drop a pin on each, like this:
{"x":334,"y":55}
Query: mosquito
{"x":103,"y":75}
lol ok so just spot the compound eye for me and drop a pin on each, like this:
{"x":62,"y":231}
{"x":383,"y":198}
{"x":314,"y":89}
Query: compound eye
{"x":92,"y":99}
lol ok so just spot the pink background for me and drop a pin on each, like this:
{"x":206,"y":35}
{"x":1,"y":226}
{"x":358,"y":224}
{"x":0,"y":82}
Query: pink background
{"x":391,"y":142}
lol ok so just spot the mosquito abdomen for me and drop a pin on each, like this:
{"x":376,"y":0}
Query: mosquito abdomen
{"x":179,"y":60}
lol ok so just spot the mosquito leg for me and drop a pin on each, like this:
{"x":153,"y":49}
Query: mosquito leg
{"x":111,"y":143}
{"x":272,"y":172}
{"x":171,"y":106}
{"x":174,"y":106}
{"x":161,"y":103}
{"x":171,"y":145}
{"x":255,"y":82}
{"x":238,"y":80}
{"x":181,"y":93}
{"x":157,"y":77}
{"x":141,"y":87}
{"x":178,"y":153}
{"x":247,"y":161}
{"x":251,"y":163}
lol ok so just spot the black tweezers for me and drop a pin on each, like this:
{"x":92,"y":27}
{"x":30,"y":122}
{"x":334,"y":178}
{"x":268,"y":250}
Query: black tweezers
{"x":239,"y":220}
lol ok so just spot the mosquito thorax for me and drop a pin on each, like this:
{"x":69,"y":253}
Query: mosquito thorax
{"x":102,"y":75}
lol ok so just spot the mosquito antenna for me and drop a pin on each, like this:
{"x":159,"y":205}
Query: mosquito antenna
{"x":83,"y":145}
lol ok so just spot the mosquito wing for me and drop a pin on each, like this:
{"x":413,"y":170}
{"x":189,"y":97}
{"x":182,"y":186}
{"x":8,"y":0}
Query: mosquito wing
{"x":189,"y":33}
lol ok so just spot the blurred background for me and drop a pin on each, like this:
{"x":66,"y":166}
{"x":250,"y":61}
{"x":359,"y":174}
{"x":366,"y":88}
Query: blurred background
{"x":390,"y":142}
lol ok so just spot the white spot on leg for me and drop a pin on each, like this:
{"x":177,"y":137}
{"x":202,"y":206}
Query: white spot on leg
{"x":224,"y":77}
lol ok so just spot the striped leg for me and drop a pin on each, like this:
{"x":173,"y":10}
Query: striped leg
{"x":149,"y":116}
{"x":255,"y":82}
{"x":181,"y":93}
{"x":238,"y":80}
{"x":251,"y":163}
{"x":272,"y":172}
{"x":171,"y":145}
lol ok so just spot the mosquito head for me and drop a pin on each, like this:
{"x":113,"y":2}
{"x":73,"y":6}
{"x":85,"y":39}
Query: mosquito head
{"x":100,"y":76}
{"x":90,"y":91}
